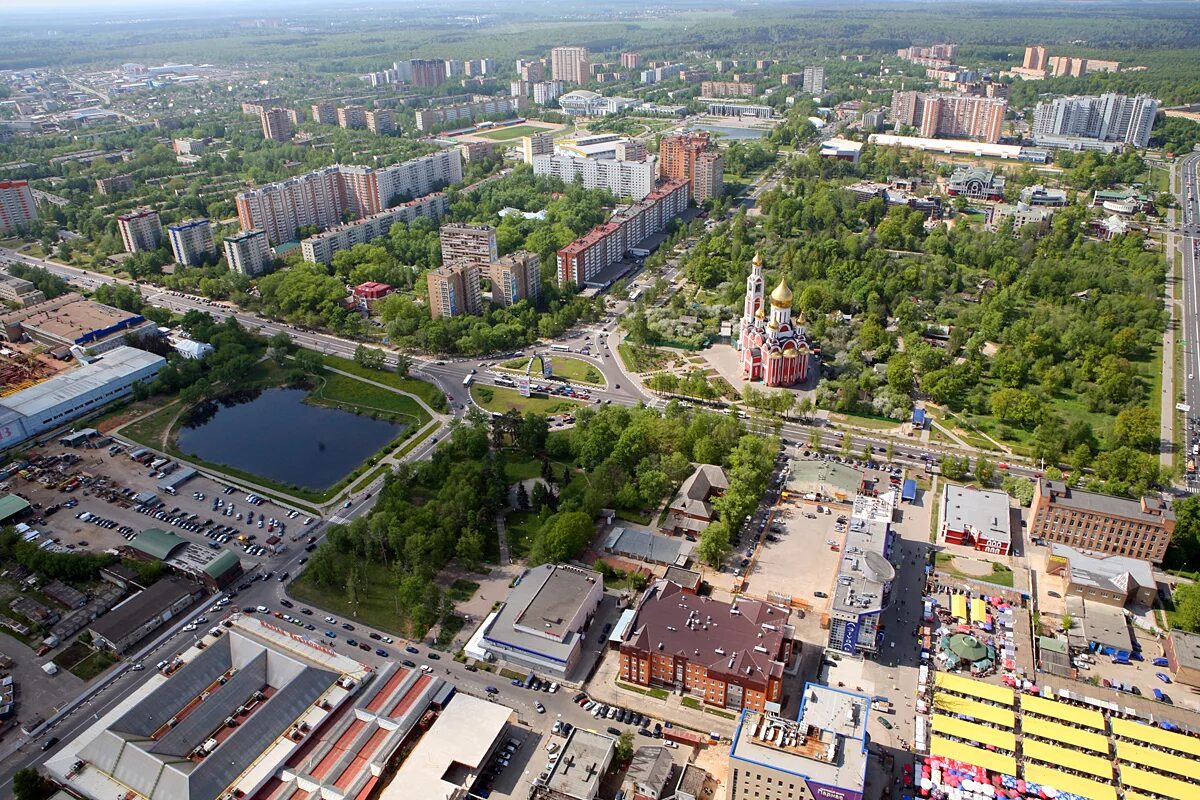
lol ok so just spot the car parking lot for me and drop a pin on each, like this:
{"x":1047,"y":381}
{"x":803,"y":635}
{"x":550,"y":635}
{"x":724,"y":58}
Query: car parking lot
{"x":102,"y":511}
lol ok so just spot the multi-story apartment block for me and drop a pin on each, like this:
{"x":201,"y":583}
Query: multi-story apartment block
{"x":188,"y":146}
{"x":531,"y":71}
{"x":583,"y":259}
{"x":821,"y":755}
{"x":708,"y":176}
{"x":354,"y":117}
{"x":631,"y":150}
{"x":539,"y":144}
{"x":462,"y":241}
{"x":1106,"y":122}
{"x":192,"y":242}
{"x":730,"y":655}
{"x":623,"y":178}
{"x":321,"y":197}
{"x":660,"y":74}
{"x":688,"y":156}
{"x":381,"y":121}
{"x":727,"y":89}
{"x":740,"y":110}
{"x":248,"y":252}
{"x":1101,"y":523}
{"x":481,"y":106}
{"x":141,"y":230}
{"x":454,"y":289}
{"x":276,"y":124}
{"x":814,"y":79}
{"x":114,"y":185}
{"x":516,"y":277}
{"x":427,"y":72}
{"x":1035,"y":58}
{"x":570,"y":64}
{"x":631,"y":60}
{"x":477,"y":151}
{"x":951,"y":115}
{"x":546,"y":92}
{"x":325,"y":113}
{"x":17,"y":206}
{"x":320,"y":248}
{"x":934,"y":53}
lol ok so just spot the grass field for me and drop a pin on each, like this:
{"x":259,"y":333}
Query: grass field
{"x":521,"y":525}
{"x":499,"y":399}
{"x":513,"y":132}
{"x":575,"y":370}
{"x":639,"y":359}
{"x":339,"y":391}
{"x":522,"y":469}
{"x":376,"y":603}
{"x":431,"y":394}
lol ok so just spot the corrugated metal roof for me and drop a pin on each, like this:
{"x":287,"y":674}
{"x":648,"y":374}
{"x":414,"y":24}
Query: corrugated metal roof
{"x":11,"y":505}
{"x":120,"y":361}
{"x":156,"y":543}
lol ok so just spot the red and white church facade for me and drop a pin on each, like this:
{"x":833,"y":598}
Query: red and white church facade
{"x":774,"y":349}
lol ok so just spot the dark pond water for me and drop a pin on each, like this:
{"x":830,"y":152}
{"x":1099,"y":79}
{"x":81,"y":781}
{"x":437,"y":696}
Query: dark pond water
{"x":275,"y":434}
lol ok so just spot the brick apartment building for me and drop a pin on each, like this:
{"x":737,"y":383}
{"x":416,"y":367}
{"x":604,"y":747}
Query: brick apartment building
{"x":731,"y":655}
{"x":1101,"y":523}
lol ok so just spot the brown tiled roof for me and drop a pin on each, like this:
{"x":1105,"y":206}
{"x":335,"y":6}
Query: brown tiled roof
{"x":743,"y":639}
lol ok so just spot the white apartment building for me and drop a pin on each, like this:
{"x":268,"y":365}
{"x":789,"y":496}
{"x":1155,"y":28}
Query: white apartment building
{"x":141,"y":230}
{"x":322,"y":196}
{"x":547,"y":92}
{"x":17,"y":207}
{"x":1084,"y":122}
{"x":570,"y":64}
{"x":248,"y":252}
{"x":623,"y":178}
{"x":319,"y":249}
{"x":192,"y":242}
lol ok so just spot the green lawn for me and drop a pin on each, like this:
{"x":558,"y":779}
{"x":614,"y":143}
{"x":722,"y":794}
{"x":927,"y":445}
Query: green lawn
{"x":461,"y":591}
{"x":575,"y":370}
{"x":92,"y":665}
{"x":366,"y":480}
{"x":521,"y":526}
{"x":431,"y":394}
{"x":517,"y":468}
{"x":875,"y":423}
{"x":376,"y":602}
{"x":339,"y":391}
{"x":513,"y":132}
{"x":499,"y":399}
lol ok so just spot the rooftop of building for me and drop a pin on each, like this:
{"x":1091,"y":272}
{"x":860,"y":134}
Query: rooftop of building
{"x":132,"y":613}
{"x":156,"y":543}
{"x":650,"y":766}
{"x":1148,"y":509}
{"x":11,"y":505}
{"x":1107,"y":572}
{"x":1104,"y":624}
{"x":553,"y":596}
{"x":270,"y":682}
{"x":687,"y":578}
{"x":186,"y":224}
{"x":985,"y":514}
{"x":742,"y":639}
{"x":1187,"y":648}
{"x":69,"y":317}
{"x":805,"y":476}
{"x":582,"y":763}
{"x":826,"y":743}
{"x":66,"y":386}
{"x":840,"y":144}
{"x":451,"y":752}
{"x":647,"y":545}
{"x":693,"y":496}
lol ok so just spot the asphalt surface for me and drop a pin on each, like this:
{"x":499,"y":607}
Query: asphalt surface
{"x":1189,"y":229}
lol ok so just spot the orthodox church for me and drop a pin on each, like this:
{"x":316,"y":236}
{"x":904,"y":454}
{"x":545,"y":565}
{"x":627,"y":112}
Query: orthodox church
{"x":774,"y":349}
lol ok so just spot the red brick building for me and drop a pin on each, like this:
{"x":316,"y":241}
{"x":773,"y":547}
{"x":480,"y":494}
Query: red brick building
{"x":372,"y":291}
{"x":731,"y":655}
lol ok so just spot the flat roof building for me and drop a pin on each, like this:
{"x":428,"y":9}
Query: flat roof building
{"x":133,"y":620}
{"x":976,"y":518}
{"x":516,"y":277}
{"x":730,"y":655}
{"x":823,"y":480}
{"x":1112,"y":580}
{"x":1101,"y":523}
{"x":248,"y":252}
{"x":17,"y":205}
{"x":1182,"y":650}
{"x":640,"y":544}
{"x":450,"y":756}
{"x":56,"y":401}
{"x":141,"y":230}
{"x":623,"y":178}
{"x":864,"y":578}
{"x":543,"y":620}
{"x":1105,"y":627}
{"x":476,"y":243}
{"x":584,"y":759}
{"x":821,"y":754}
{"x":71,"y":319}
{"x":192,"y":242}
{"x":454,"y":289}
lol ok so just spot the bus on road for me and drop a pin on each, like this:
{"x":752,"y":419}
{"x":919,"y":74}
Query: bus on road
{"x":467,"y":381}
{"x":560,"y":347}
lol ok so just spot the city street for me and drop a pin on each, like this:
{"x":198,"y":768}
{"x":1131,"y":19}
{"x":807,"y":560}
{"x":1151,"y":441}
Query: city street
{"x":1189,"y":227}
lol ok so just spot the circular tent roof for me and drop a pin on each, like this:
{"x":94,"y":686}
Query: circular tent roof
{"x":967,"y":647}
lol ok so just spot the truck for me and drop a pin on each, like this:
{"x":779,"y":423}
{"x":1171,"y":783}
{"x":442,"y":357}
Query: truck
{"x":882,"y":704}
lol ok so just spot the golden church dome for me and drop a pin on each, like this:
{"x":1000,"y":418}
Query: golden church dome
{"x":782,"y":296}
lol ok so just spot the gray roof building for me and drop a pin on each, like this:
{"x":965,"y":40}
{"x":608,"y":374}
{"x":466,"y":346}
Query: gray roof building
{"x":823,"y":479}
{"x":133,"y":620}
{"x":976,"y":517}
{"x":1114,"y":580}
{"x":584,"y":760}
{"x":542,"y":621}
{"x":643,"y":545}
{"x":649,"y":773}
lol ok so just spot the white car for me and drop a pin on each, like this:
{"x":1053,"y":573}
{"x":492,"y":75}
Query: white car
{"x":190,"y":627}
{"x":331,"y":620}
{"x":426,"y":668}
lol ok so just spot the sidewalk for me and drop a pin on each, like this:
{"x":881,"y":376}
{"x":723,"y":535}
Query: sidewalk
{"x":603,"y":687}
{"x":1166,"y":419}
